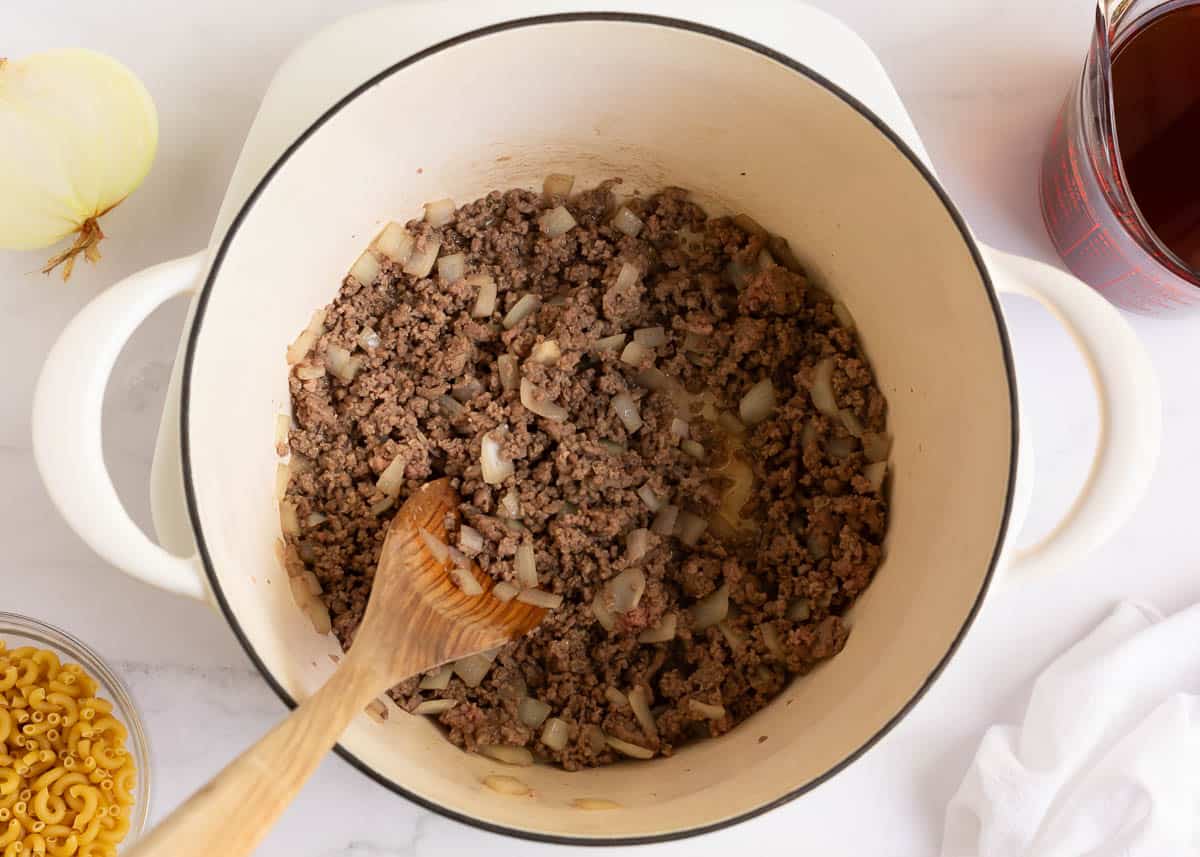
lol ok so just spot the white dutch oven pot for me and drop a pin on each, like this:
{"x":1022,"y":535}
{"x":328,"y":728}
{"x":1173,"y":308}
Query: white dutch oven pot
{"x":422,"y":112}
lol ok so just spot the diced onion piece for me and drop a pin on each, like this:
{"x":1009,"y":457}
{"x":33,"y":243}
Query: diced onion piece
{"x":340,"y":364}
{"x":712,"y":712}
{"x":470,"y":540}
{"x":653,"y":501}
{"x":283,"y":475}
{"x":438,"y":679}
{"x":782,"y":251}
{"x":822,"y":388}
{"x":464,"y":578}
{"x":694,"y":449}
{"x":799,"y":610}
{"x":626,"y":590}
{"x":299,"y":349}
{"x":612,"y":447}
{"x":875,"y":473}
{"x":391,"y":480}
{"x":318,"y":616}
{"x":771,"y":639}
{"x":840,"y":447}
{"x":472,"y":669}
{"x":505,"y":592}
{"x":851,"y":421}
{"x":557,"y":185}
{"x":595,"y":803}
{"x":439,"y":212}
{"x":509,"y":371}
{"x":507,"y":754}
{"x":758,"y":403}
{"x":640,"y":706}
{"x":637,"y":544}
{"x":730,"y":423}
{"x":526,"y":306}
{"x":535,"y":399}
{"x":496,"y":468}
{"x":452,"y":268}
{"x":600,"y":609}
{"x":289,"y":522}
{"x":547,"y":353}
{"x":526,"y":566}
{"x":555,"y":734}
{"x":365,"y":268}
{"x":627,"y":276}
{"x":381,"y":506}
{"x":732,"y":636}
{"x":436,"y":546}
{"x":532,"y":712}
{"x":651,"y":337}
{"x":510,"y":505}
{"x":466,"y":391}
{"x":765,"y":260}
{"x":635,"y":354}
{"x":710,"y":609}
{"x":451,"y":407}
{"x":309,"y":373}
{"x":690,"y":528}
{"x":610,"y":343}
{"x":738,"y":493}
{"x":367,"y":339}
{"x":616,"y":697}
{"x":843,"y":315}
{"x":376,"y":710}
{"x":657,"y":381}
{"x":485,"y":301}
{"x":435,"y":706}
{"x":662,"y":632}
{"x":750,"y":226}
{"x":876,"y":445}
{"x":627,"y":749}
{"x":422,"y":260}
{"x":679,"y":428}
{"x":627,"y":222}
{"x":664,"y":521}
{"x":395,"y":242}
{"x":503,"y":785}
{"x":540,"y":598}
{"x":315,"y":520}
{"x":557,"y":221}
{"x":627,"y":411}
{"x":301,"y":594}
{"x":738,"y":273}
{"x":593,"y":735}
{"x":283,"y":428}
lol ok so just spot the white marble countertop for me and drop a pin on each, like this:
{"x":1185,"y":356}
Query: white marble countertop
{"x":982,"y":79}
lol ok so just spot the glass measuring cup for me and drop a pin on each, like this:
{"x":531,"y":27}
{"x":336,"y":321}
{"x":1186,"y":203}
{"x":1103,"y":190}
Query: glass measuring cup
{"x":1091,"y":211}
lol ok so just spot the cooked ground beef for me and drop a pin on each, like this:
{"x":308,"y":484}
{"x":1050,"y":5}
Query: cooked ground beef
{"x":809,"y":539}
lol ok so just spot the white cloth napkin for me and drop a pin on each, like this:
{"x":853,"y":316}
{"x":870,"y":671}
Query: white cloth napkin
{"x":1107,"y":760}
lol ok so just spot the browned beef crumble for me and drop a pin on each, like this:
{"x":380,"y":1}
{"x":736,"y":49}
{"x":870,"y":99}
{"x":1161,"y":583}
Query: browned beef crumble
{"x":819,"y":521}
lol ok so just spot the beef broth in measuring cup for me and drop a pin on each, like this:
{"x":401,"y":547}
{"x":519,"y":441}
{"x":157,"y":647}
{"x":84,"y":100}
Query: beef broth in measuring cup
{"x":1120,"y":185}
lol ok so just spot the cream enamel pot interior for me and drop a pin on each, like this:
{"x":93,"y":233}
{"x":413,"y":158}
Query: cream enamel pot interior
{"x":657,"y":102}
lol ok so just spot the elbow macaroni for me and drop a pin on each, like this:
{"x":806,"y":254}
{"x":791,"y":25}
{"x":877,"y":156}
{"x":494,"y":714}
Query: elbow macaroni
{"x":66,"y":779}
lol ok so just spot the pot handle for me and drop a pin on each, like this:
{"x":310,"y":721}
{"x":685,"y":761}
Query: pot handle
{"x":67,"y":407}
{"x":1129,"y":403}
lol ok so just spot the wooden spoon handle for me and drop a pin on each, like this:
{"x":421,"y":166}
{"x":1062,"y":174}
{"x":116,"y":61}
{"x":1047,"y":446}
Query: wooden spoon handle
{"x":232,"y":813}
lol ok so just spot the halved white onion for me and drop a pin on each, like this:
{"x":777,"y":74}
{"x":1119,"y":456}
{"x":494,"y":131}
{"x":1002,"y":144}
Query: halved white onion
{"x":391,"y":480}
{"x":662,"y":632}
{"x":452,"y":268}
{"x":627,"y":411}
{"x":627,"y":222}
{"x":758,"y":403}
{"x":439,"y":212}
{"x":627,"y":749}
{"x":710,"y":609}
{"x":540,"y":598}
{"x":299,"y":349}
{"x":395,"y":242}
{"x":365,"y":268}
{"x":557,"y":185}
{"x":609,"y":343}
{"x":435,"y":706}
{"x":525,"y":565}
{"x":532,"y":712}
{"x":637,"y":544}
{"x":635,"y":354}
{"x":626,"y":590}
{"x":546,"y":353}
{"x":496,"y":468}
{"x":422,"y":260}
{"x":664,"y":521}
{"x":557,"y":221}
{"x":650,"y":337}
{"x":704,"y":709}
{"x":555,"y":734}
{"x":535,"y":399}
{"x":523,"y":308}
{"x":639,"y":703}
{"x":509,"y":371}
{"x":505,"y":591}
{"x":690,"y":528}
{"x":507,"y":754}
{"x":822,"y":388}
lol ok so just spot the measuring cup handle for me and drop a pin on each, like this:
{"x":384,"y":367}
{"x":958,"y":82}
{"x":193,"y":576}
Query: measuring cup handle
{"x":1129,"y":403}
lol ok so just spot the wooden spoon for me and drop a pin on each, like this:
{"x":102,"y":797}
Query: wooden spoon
{"x":416,"y":619}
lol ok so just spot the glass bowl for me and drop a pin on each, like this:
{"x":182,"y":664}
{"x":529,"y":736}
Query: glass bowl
{"x":22,"y":631}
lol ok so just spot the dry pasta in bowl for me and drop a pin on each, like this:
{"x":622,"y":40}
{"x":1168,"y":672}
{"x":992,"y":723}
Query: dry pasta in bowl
{"x":73,"y":755}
